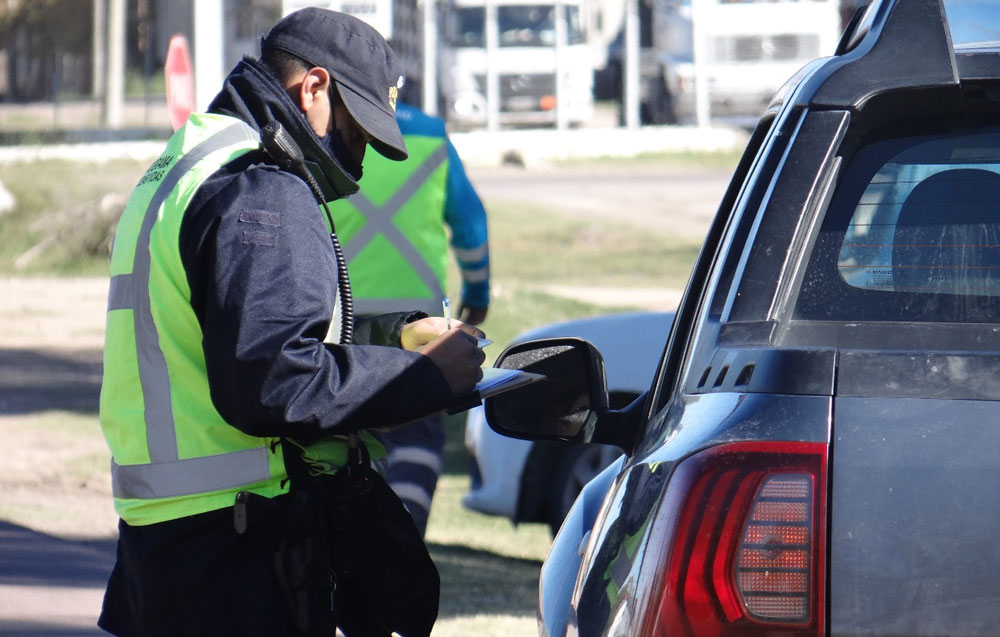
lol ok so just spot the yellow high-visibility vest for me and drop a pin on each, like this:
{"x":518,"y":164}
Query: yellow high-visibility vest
{"x":173,"y":454}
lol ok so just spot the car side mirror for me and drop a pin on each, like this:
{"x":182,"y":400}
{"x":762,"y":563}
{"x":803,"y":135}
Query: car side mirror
{"x":566,"y":405}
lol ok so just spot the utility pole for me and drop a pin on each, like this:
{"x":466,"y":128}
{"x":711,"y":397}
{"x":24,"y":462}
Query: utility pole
{"x":114,"y":77}
{"x":702,"y":97}
{"x":430,"y":91}
{"x":97,"y":48}
{"x":630,"y":93}
{"x":209,"y":39}
{"x":492,"y":77}
{"x":562,"y":113}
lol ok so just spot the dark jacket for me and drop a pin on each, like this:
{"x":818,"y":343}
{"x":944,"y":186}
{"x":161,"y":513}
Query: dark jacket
{"x":263,"y":279}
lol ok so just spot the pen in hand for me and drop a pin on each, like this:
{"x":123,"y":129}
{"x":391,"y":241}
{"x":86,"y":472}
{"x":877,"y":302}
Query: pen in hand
{"x":446,"y":313}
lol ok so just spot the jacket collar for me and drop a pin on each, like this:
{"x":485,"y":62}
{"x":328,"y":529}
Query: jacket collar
{"x":252,"y":94}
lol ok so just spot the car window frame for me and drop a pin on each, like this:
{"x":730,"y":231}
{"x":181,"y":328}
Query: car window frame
{"x":749,"y":177}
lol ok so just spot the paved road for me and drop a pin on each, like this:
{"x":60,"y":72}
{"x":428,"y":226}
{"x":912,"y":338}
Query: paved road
{"x":675,"y":199}
{"x":50,"y":586}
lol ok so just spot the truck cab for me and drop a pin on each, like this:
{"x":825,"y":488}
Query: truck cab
{"x":528,"y":63}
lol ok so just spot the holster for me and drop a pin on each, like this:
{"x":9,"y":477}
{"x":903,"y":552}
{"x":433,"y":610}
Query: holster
{"x":346,"y":552}
{"x":295,"y":527}
{"x":387,"y":580}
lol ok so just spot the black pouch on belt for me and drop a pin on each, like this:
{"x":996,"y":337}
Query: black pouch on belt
{"x":296,"y":528}
{"x":386,"y":579}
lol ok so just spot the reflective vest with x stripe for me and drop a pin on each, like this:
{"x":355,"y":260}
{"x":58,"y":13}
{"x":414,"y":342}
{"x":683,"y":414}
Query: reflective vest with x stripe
{"x":393,"y":230}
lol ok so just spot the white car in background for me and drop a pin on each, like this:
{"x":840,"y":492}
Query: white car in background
{"x":534,"y":481}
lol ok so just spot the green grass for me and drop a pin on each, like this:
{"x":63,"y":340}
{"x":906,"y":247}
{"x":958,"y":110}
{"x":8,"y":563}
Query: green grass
{"x":138,"y":85}
{"x":535,"y":246}
{"x":64,"y":214}
{"x":19,"y":121}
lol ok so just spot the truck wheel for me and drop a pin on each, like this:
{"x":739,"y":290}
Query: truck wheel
{"x":660,"y":107}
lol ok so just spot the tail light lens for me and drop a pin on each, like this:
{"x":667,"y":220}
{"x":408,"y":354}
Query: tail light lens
{"x":738,"y":545}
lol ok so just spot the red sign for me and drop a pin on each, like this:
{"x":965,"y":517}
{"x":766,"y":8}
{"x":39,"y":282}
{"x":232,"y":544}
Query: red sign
{"x":179,"y":74}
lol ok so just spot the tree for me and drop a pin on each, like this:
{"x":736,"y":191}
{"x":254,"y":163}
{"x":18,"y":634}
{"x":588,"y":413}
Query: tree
{"x":47,"y":43}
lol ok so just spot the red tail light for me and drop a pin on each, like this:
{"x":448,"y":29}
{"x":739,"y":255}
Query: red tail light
{"x":739,"y":544}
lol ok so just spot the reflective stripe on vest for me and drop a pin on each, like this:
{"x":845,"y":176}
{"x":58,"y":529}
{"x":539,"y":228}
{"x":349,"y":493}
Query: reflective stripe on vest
{"x":166,"y":476}
{"x":173,"y":453}
{"x":378,"y":221}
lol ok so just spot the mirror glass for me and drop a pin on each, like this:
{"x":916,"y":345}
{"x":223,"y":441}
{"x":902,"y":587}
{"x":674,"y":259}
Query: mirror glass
{"x":559,"y":407}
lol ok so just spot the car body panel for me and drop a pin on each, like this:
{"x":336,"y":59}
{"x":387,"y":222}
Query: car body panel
{"x":914,"y":491}
{"x":605,"y":599}
{"x":563,"y":561}
{"x":499,"y":464}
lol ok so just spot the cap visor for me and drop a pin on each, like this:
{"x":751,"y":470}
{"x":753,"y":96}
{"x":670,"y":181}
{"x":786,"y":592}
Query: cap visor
{"x":381,"y":125}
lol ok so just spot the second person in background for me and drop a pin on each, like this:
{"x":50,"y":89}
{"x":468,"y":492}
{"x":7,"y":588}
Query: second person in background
{"x":396,"y":236}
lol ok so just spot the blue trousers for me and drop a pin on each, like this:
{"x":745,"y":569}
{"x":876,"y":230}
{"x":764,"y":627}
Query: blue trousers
{"x":414,"y":464}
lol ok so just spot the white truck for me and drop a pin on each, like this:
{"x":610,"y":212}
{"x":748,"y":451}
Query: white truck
{"x":748,"y":49}
{"x":752,"y":48}
{"x":529,"y":67}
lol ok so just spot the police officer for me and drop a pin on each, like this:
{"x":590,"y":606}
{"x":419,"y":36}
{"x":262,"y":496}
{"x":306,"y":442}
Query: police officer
{"x":224,"y":279}
{"x":396,"y":236}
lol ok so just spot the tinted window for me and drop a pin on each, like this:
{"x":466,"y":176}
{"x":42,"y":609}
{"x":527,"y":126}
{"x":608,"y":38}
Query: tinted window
{"x":466,"y":27}
{"x":913,"y":235}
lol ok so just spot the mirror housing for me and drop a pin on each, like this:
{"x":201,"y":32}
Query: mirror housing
{"x":566,"y":405}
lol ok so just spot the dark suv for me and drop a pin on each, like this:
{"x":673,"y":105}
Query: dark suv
{"x":819,"y":450}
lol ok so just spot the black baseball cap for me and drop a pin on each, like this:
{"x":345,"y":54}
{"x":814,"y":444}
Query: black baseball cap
{"x":361,"y":63}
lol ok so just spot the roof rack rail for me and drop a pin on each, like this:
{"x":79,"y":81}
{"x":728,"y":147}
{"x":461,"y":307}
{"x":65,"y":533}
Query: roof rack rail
{"x":894,"y":44}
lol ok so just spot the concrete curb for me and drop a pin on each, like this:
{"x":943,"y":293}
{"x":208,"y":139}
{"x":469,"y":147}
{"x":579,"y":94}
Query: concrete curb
{"x":524,"y":147}
{"x":530,"y":147}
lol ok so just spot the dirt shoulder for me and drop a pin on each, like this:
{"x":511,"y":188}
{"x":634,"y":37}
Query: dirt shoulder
{"x":52,"y":312}
{"x":56,"y":472}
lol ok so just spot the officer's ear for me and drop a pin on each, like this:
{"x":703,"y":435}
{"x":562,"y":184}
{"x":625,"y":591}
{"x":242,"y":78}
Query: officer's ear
{"x":314,"y":100}
{"x":314,"y":88}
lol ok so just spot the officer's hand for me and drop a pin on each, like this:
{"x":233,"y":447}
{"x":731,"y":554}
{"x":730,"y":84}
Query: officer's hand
{"x":419,"y":333}
{"x":457,"y":355}
{"x":472,"y":315}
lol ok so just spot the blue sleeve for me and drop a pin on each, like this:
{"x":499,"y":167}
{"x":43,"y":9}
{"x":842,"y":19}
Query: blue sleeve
{"x":466,"y":217}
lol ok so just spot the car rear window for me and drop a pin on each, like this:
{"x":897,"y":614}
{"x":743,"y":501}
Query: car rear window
{"x":913,"y":234}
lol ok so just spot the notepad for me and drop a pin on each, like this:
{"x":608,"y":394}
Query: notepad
{"x":495,"y":381}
